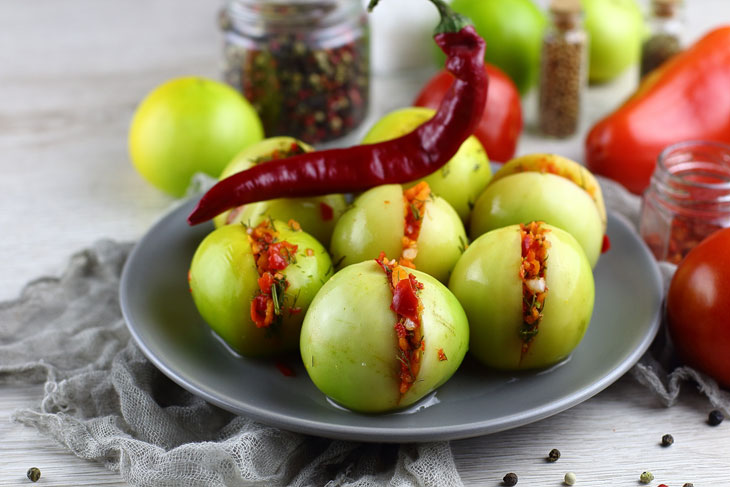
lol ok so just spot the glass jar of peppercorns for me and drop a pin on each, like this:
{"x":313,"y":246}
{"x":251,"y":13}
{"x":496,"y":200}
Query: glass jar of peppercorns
{"x":303,"y":64}
{"x":688,"y":198}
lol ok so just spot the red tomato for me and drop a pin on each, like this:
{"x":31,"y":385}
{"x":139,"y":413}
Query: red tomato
{"x":697,"y":307}
{"x":501,"y":123}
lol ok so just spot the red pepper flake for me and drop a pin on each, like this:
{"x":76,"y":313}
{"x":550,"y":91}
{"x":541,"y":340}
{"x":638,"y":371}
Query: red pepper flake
{"x":442,"y":355}
{"x":414,"y":202}
{"x":309,"y":252}
{"x":262,"y":310}
{"x":532,"y":274}
{"x":684,"y":235}
{"x":270,"y":256}
{"x":408,"y":308}
{"x":190,"y":278}
{"x":326,"y":212}
{"x":285,"y":370}
{"x":405,"y":302}
{"x":606,"y":245}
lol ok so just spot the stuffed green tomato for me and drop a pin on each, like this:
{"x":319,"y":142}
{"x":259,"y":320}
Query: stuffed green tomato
{"x":253,"y":285}
{"x":528,"y":292}
{"x":459,"y":181}
{"x":379,"y":337}
{"x":316,"y":215}
{"x":548,"y":188}
{"x":418,"y":228}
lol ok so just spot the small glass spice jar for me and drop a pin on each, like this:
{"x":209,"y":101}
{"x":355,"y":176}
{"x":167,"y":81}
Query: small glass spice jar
{"x":688,"y":198}
{"x":303,"y":64}
{"x":563,"y":74}
{"x":665,"y":35}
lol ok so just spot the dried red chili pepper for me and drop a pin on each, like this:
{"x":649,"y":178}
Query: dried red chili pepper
{"x":400,"y":160}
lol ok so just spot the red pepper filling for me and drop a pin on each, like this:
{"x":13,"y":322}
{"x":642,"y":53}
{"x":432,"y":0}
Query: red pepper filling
{"x":408,"y":307}
{"x":414,"y":202}
{"x":532,"y":275}
{"x":271,"y":256}
{"x":293,"y":150}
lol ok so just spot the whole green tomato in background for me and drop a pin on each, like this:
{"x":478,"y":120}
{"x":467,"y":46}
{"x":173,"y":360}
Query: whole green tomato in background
{"x":513,"y":30}
{"x":190,"y":125}
{"x":615,"y":29}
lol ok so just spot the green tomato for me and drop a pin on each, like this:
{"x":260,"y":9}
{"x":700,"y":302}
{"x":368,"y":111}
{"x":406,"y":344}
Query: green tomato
{"x":487,"y":283}
{"x":513,"y":31}
{"x":615,"y":29}
{"x":375,"y":224}
{"x":316,"y":215}
{"x":190,"y":125}
{"x":459,"y":181}
{"x":223,"y":282}
{"x":349,"y":344}
{"x":528,"y":196}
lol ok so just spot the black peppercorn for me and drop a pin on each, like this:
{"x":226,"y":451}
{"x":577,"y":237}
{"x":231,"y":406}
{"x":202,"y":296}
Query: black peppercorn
{"x":34,"y":474}
{"x":667,"y":440}
{"x":510,"y":479}
{"x":689,"y":484}
{"x":553,"y":456}
{"x":715,"y":417}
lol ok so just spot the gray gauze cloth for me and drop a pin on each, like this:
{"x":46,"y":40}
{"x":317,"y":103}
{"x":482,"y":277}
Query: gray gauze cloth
{"x":105,"y":401}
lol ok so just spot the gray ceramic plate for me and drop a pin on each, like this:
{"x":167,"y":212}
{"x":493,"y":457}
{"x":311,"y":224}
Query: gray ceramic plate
{"x":163,"y":319}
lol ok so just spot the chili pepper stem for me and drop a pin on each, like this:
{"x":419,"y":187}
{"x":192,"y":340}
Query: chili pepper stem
{"x":409,"y":157}
{"x":450,"y":20}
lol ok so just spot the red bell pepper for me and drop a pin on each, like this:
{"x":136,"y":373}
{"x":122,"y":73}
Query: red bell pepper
{"x":687,"y":98}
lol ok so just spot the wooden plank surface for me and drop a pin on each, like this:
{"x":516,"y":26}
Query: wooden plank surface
{"x":71,"y":74}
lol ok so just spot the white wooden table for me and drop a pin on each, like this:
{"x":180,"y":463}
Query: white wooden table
{"x":71,"y":74}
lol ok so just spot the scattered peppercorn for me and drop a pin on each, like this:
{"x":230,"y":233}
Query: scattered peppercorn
{"x":34,"y":473}
{"x":510,"y":479}
{"x":715,"y":417}
{"x":689,"y":484}
{"x":570,"y":478}
{"x":553,"y":456}
{"x":646,"y":477}
{"x":667,"y":440}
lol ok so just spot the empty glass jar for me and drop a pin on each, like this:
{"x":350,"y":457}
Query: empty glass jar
{"x":688,"y":198}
